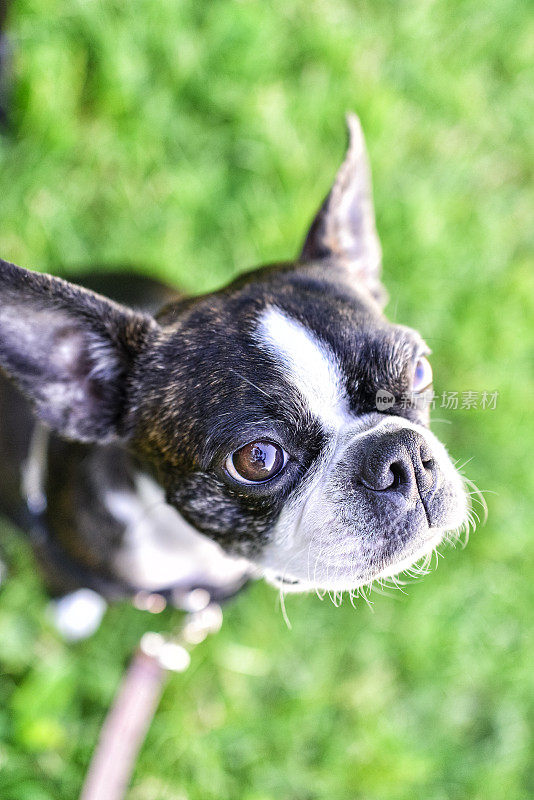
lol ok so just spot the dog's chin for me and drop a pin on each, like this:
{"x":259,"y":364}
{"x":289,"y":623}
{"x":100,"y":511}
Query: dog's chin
{"x":345,"y":578}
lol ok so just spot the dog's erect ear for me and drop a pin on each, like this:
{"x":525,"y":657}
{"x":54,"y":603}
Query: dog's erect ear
{"x":69,"y":350}
{"x":344,"y":230}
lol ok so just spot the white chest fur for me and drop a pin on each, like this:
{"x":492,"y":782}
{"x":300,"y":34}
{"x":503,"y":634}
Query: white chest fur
{"x":160,"y":548}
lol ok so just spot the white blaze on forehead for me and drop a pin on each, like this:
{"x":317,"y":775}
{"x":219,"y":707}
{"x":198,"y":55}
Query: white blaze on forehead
{"x":310,"y":365}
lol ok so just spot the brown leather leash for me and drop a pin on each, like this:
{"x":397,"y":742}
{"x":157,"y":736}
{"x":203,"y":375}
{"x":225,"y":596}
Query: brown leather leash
{"x":137,"y":698}
{"x":128,"y":720}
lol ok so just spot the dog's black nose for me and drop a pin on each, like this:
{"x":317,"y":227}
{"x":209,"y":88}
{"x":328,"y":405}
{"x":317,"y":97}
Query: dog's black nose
{"x":399,"y":461}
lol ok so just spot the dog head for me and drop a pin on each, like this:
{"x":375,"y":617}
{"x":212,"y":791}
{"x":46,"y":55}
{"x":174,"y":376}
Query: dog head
{"x":256,"y":406}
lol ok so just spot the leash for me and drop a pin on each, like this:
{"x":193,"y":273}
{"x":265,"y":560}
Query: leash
{"x":128,"y":720}
{"x":137,"y":699}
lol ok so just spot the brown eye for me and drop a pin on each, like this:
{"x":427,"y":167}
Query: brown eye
{"x":256,"y":462}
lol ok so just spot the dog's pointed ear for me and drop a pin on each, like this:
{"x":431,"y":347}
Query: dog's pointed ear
{"x":344,"y":230}
{"x":70,"y":351}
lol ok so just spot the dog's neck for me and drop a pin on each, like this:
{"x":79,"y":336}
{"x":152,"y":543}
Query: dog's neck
{"x":160,"y":548}
{"x":149,"y":545}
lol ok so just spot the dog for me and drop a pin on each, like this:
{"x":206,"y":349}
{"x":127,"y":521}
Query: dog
{"x":155,"y":443}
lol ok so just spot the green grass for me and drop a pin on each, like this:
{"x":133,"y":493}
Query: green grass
{"x":193,"y":140}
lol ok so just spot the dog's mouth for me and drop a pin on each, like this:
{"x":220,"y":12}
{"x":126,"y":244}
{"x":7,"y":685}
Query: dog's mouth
{"x":347,"y":581}
{"x":282,"y":582}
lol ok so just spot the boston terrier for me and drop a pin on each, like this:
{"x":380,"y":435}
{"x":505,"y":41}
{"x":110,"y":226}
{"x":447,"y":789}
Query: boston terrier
{"x":155,"y":443}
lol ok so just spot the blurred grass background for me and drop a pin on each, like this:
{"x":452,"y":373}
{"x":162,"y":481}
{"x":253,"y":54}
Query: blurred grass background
{"x":193,"y":140}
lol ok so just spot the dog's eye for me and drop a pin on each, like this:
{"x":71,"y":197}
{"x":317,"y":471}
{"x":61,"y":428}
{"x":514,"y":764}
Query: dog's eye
{"x":256,"y":462}
{"x":422,"y":375}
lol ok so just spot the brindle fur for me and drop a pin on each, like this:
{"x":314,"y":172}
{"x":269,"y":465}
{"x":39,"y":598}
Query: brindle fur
{"x":174,"y":393}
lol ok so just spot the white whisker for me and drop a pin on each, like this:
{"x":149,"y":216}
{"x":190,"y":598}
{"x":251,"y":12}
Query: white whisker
{"x":285,"y":616}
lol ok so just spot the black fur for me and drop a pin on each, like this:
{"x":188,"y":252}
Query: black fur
{"x":173,"y":394}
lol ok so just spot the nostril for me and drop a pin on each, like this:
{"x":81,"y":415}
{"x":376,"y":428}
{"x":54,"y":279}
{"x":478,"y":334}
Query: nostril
{"x":425,"y":457}
{"x":398,"y":475}
{"x":426,"y":476}
{"x":386,"y":477}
